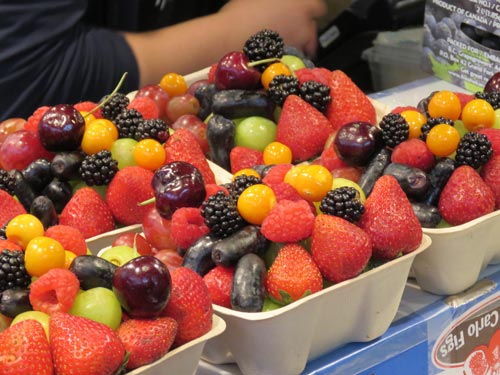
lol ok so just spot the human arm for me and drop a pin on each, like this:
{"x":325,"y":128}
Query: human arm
{"x":194,"y":44}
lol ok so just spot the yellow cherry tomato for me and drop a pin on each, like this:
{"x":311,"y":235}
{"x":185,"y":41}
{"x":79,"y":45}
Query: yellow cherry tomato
{"x":272,"y":71}
{"x":477,"y":114}
{"x":415,"y":120}
{"x":445,"y":104}
{"x":443,"y":140}
{"x":87,"y":117}
{"x":109,"y":124}
{"x":42,"y":254}
{"x":174,"y":84}
{"x":22,"y":228}
{"x":277,"y":153}
{"x":246,"y":172}
{"x":255,"y":202}
{"x":312,"y":182}
{"x":149,"y":154}
{"x":97,"y":137}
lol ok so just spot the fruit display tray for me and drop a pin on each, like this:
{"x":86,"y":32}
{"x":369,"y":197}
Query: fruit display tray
{"x":283,"y":340}
{"x":457,"y":255}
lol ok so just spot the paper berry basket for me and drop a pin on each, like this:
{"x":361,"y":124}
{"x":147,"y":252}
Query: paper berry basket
{"x":457,"y":255}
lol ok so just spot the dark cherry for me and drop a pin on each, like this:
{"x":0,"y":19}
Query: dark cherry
{"x":177,"y":184}
{"x":61,"y":128}
{"x":143,"y":286}
{"x":356,"y":142}
{"x":493,"y":83}
{"x":233,"y":72}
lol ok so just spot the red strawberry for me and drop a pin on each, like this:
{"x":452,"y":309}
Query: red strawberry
{"x":415,"y":153}
{"x":183,"y":146}
{"x":465,"y":197}
{"x":293,"y":275}
{"x":243,"y":157}
{"x":214,"y":188}
{"x":87,"y":107}
{"x":330,"y":159}
{"x":88,"y":212}
{"x":493,"y":135}
{"x":348,"y":103}
{"x":276,"y":174}
{"x":340,"y":248}
{"x":24,"y":349}
{"x":147,"y":340}
{"x":81,"y":346}
{"x":390,"y":221}
{"x":189,"y":304}
{"x":302,"y":128}
{"x":219,"y":280}
{"x":32,"y":123}
{"x":129,"y":187}
{"x":288,"y":221}
{"x":400,"y":109}
{"x":318,"y":74}
{"x":490,"y":173}
{"x":70,"y":237}
{"x":464,"y":98}
{"x":145,"y":106}
{"x":9,"y":207}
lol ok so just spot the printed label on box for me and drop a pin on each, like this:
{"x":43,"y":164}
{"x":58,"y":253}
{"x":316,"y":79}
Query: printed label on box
{"x":470,"y":345}
{"x":461,"y":41}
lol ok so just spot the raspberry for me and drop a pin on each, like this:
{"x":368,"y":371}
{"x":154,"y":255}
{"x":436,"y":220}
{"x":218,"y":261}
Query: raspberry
{"x":276,"y":174}
{"x":145,"y":106}
{"x":10,"y":245}
{"x":32,"y":122}
{"x":219,"y":280}
{"x":318,"y":74}
{"x":187,"y":226}
{"x":415,"y":153}
{"x":283,"y":190}
{"x":54,"y":291}
{"x":211,"y":189}
{"x":87,"y":107}
{"x":401,"y":109}
{"x":288,"y":221}
{"x":69,"y":237}
{"x":330,"y":159}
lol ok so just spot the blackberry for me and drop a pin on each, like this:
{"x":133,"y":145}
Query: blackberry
{"x":491,"y":97}
{"x":12,"y":270}
{"x":281,"y":86}
{"x":395,"y":129}
{"x":474,"y":149}
{"x":316,"y":94}
{"x":154,"y":128}
{"x":343,"y":202}
{"x":221,"y":215}
{"x":7,"y":181}
{"x":264,"y":44}
{"x":431,"y":122}
{"x":98,"y":169}
{"x":127,"y":122}
{"x":115,"y":106}
{"x":240,"y":183}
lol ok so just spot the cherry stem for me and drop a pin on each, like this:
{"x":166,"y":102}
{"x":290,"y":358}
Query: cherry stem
{"x":146,"y":202}
{"x":264,"y":61}
{"x":108,"y":98}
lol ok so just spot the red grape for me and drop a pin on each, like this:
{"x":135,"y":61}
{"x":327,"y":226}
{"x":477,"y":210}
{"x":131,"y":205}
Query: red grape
{"x":9,"y":126}
{"x":128,"y":239}
{"x":157,"y":230}
{"x":181,"y":105}
{"x":170,"y":258}
{"x":159,"y":95}
{"x":20,"y":148}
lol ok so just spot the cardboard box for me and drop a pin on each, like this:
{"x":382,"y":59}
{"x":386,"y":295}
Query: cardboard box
{"x":461,"y":41}
{"x":431,"y":334}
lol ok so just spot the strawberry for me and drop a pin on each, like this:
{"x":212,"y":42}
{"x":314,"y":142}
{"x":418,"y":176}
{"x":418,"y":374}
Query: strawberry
{"x":82,"y":346}
{"x":464,"y":98}
{"x":183,"y":146}
{"x":88,"y":212}
{"x":189,"y":304}
{"x":145,"y":106}
{"x":390,"y":221}
{"x":465,"y":197}
{"x":129,"y":187}
{"x":293,"y":275}
{"x":32,"y":123}
{"x":415,"y":153}
{"x":24,"y":349}
{"x":9,"y":207}
{"x":219,"y":280}
{"x":70,"y":237}
{"x":493,"y":135}
{"x":340,"y":248}
{"x":490,"y":173}
{"x":88,"y":106}
{"x":348,"y":103}
{"x":400,"y":109}
{"x":302,"y":128}
{"x":330,"y":159}
{"x":244,"y":157}
{"x":147,"y":340}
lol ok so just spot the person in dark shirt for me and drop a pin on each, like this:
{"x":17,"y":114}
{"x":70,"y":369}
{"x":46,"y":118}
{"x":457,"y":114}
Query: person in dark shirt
{"x":66,"y":51}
